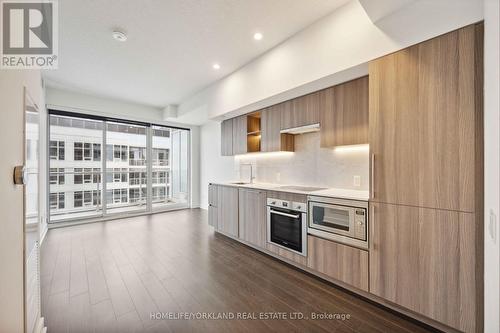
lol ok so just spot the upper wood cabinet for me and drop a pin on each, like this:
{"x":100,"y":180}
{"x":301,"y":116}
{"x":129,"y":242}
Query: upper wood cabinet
{"x":338,"y":261}
{"x":425,"y":260}
{"x":271,"y":138}
{"x":344,"y":113}
{"x":300,"y":111}
{"x":252,"y":217}
{"x":426,"y":123}
{"x":227,"y":212}
{"x":226,"y":137}
{"x":240,"y":135}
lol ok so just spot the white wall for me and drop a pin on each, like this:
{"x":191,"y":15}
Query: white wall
{"x":342,"y":40}
{"x":492,"y":167}
{"x":82,"y":103}
{"x":214,"y":167}
{"x":12,"y":83}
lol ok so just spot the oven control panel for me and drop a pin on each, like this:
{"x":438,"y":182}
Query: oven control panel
{"x":292,"y":205}
{"x":360,"y":223}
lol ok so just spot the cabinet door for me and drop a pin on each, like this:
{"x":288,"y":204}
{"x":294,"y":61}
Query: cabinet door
{"x":301,"y":111}
{"x":226,"y":137}
{"x":212,"y":216}
{"x":341,"y":262}
{"x":271,"y":138}
{"x":425,"y":123}
{"x":212,"y":195}
{"x":344,"y":113}
{"x":425,"y":260}
{"x":252,"y":217}
{"x":240,"y":135}
{"x":227,"y":219}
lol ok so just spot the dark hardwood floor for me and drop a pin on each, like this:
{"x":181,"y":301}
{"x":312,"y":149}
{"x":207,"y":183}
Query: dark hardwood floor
{"x":112,"y":276}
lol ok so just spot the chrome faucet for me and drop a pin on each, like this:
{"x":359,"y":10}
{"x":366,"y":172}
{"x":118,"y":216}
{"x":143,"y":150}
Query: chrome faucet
{"x":251,"y":171}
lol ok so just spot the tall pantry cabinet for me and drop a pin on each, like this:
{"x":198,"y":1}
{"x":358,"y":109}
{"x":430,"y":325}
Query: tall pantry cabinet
{"x":426,"y":206}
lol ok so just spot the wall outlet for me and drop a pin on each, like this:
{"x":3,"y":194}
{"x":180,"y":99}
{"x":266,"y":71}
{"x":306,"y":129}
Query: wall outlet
{"x":356,"y":181}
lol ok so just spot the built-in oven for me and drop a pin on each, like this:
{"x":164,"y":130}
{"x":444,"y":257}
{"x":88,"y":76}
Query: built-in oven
{"x":345,"y":221}
{"x":287,"y":225}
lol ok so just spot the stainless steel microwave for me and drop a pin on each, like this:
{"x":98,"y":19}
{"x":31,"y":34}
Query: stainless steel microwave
{"x":345,"y":221}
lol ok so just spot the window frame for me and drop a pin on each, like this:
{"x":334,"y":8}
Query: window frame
{"x":99,"y":152}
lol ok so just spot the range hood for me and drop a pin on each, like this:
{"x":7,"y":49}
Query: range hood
{"x":301,"y":129}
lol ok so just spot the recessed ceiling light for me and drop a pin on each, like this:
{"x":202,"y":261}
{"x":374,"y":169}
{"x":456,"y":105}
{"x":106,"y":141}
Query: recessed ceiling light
{"x":216,"y":66}
{"x":119,"y":36}
{"x":257,"y":36}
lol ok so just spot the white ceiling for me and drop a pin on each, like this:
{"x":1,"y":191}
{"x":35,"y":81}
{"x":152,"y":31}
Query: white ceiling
{"x":171,"y":45}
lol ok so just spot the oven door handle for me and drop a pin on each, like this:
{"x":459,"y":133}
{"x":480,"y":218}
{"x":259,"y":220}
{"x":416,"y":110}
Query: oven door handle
{"x":285,"y":214}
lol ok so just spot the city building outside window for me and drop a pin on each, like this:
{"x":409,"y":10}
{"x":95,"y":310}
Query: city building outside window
{"x":78,"y":176}
{"x":97,"y":151}
{"x":56,"y":176}
{"x":109,"y":153}
{"x":56,"y":150}
{"x":125,"y":168}
{"x":56,"y":201}
{"x":78,"y":199}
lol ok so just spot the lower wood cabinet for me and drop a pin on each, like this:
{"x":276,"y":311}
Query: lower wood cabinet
{"x":338,"y":261}
{"x":425,"y":260}
{"x":227,"y":212}
{"x":213,"y":191}
{"x":252,"y":217}
{"x":212,"y":216}
{"x":286,"y":254}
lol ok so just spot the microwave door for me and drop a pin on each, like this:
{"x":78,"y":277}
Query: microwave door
{"x":331,"y":218}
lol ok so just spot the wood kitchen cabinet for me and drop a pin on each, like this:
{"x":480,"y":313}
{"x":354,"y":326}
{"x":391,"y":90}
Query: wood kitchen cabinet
{"x":300,"y":111}
{"x":426,"y":134}
{"x":425,"y":260}
{"x":227,"y":212}
{"x":338,"y":261}
{"x":252,"y":217}
{"x":226,"y":137}
{"x":344,"y":114}
{"x":213,"y":192}
{"x":240,"y":135}
{"x":271,"y":138}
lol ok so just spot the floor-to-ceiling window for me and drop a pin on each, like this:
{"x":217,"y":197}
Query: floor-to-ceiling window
{"x":169,"y":158}
{"x":126,"y":167}
{"x":101,"y":167}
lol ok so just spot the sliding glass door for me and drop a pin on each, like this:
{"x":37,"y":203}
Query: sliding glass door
{"x":75,"y":168}
{"x":99,"y":168}
{"x":169,"y":167}
{"x":126,"y":168}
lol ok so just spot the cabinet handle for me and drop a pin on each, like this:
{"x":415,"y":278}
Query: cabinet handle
{"x":372,"y":223}
{"x":372,"y":185}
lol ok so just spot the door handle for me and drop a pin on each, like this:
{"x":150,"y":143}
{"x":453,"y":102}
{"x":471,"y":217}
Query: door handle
{"x":285,"y":214}
{"x":371,"y":220}
{"x":372,"y":185}
{"x":20,"y":175}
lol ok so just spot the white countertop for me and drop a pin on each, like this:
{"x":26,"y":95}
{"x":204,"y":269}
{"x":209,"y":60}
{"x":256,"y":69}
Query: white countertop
{"x":329,"y":192}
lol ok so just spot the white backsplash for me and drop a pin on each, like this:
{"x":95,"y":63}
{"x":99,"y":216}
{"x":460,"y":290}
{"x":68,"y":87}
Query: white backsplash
{"x":309,"y":165}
